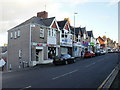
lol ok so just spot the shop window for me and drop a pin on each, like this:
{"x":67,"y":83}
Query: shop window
{"x":42,"y":33}
{"x":51,"y":52}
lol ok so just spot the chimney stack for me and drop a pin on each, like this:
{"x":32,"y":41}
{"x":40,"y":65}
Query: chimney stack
{"x":42,"y":14}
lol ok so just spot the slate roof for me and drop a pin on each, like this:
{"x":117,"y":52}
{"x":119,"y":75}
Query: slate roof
{"x":90,"y":33}
{"x":61,"y":24}
{"x":77,"y":30}
{"x":48,"y":21}
{"x":38,"y":20}
{"x":83,"y":30}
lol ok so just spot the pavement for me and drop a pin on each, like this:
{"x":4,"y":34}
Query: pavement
{"x":47,"y":61}
{"x":86,"y":73}
{"x":44,"y":63}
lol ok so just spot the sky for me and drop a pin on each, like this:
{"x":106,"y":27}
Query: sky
{"x":100,"y":16}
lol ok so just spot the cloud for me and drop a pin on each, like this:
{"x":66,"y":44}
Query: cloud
{"x":15,"y":12}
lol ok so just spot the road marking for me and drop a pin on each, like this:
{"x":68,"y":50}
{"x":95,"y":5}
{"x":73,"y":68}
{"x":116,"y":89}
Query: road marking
{"x":103,"y":83}
{"x":64,"y":74}
{"x":26,"y":88}
{"x":90,"y":64}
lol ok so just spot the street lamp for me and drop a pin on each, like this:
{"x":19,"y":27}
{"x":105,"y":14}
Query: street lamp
{"x":74,"y":33}
{"x":74,"y":25}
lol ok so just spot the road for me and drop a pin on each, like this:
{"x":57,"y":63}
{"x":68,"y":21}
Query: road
{"x":87,"y":73}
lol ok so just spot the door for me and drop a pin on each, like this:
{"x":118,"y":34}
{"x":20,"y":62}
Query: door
{"x":40,"y":55}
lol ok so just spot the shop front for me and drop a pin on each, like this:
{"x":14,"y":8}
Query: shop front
{"x":86,"y":45}
{"x":92,"y":46}
{"x":66,"y":46}
{"x":41,"y":52}
{"x":52,"y":50}
{"x":77,"y":49}
{"x":66,"y":49}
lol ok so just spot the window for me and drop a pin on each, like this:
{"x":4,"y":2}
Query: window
{"x":11,"y":35}
{"x":77,"y":40}
{"x":62,"y":35}
{"x":15,"y":35}
{"x":52,"y":32}
{"x":41,"y":32}
{"x":20,"y":53}
{"x":62,"y":31}
{"x":84,"y":36}
{"x":18,"y":34}
{"x":49,"y":32}
{"x":70,"y":36}
{"x":65,"y":36}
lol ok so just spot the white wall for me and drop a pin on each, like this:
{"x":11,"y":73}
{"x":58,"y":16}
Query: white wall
{"x":51,"y":40}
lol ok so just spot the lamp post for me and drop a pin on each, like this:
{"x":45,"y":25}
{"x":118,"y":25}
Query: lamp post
{"x":74,"y":34}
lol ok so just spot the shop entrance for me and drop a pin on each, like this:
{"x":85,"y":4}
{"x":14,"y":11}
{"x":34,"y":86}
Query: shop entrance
{"x":39,"y":54}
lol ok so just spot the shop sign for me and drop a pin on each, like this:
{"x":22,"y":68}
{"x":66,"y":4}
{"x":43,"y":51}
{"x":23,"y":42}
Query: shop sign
{"x":92,"y":44}
{"x":64,"y":40}
{"x":85,"y":43}
{"x":51,"y":45}
{"x":39,"y":45}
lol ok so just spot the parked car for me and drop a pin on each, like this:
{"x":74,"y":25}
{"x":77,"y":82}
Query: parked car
{"x":98,"y":53}
{"x":103,"y":52}
{"x":110,"y":51}
{"x":89,"y":54}
{"x":63,"y":59}
{"x":115,"y":50}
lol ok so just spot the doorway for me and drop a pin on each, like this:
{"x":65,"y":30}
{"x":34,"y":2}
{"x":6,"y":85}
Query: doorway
{"x":39,"y":55}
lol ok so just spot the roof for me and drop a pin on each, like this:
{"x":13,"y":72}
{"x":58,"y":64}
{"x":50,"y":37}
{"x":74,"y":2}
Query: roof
{"x":101,"y":38}
{"x":83,"y":30}
{"x":38,"y":20}
{"x":90,"y":33}
{"x":48,"y":21}
{"x":61,"y":24}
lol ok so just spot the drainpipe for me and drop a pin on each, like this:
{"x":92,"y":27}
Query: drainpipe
{"x":30,"y":40}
